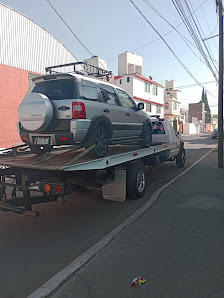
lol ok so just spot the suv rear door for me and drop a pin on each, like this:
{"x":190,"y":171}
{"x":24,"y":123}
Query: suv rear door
{"x":61,"y":93}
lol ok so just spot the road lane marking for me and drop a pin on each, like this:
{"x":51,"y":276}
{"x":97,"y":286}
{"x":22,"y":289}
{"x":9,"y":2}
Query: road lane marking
{"x":54,"y":282}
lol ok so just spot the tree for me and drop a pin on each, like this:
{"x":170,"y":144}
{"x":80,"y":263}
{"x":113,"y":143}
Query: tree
{"x":175,"y":125}
{"x":207,"y":109}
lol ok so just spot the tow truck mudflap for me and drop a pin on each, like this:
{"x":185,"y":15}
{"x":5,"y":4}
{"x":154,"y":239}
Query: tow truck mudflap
{"x":116,"y":190}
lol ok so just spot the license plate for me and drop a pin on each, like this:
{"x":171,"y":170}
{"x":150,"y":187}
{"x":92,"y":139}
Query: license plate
{"x":42,"y":140}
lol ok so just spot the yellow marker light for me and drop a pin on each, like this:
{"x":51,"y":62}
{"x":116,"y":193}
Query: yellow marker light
{"x":47,"y":187}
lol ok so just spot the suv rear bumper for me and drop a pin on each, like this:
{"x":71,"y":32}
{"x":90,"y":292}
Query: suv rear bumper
{"x":78,"y":131}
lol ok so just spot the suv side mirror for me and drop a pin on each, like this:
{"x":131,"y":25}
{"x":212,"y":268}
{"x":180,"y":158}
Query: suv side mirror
{"x":140,"y":106}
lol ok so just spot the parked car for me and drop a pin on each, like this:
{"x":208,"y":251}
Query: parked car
{"x":70,"y":109}
{"x":215,"y":133}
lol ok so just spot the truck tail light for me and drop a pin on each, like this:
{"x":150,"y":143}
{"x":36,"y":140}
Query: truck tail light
{"x":78,"y":110}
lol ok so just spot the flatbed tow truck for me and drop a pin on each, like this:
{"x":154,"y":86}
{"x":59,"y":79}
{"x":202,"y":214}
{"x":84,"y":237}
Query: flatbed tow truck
{"x":27,"y":179}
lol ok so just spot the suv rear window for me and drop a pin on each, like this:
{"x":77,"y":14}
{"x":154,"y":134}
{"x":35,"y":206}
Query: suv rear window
{"x":56,"y":89}
{"x":157,"y":128}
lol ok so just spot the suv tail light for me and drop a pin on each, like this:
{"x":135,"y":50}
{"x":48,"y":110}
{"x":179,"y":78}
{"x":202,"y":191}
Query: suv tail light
{"x":78,"y":110}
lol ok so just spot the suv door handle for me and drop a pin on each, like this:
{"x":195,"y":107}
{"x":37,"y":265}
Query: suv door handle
{"x":128,"y":114}
{"x":106,"y":111}
{"x":64,"y":108}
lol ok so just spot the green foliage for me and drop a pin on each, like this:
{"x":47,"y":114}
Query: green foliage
{"x":175,"y":125}
{"x":207,"y":108}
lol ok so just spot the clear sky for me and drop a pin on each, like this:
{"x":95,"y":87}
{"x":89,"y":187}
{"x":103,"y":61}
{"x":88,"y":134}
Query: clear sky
{"x":109,"y":28}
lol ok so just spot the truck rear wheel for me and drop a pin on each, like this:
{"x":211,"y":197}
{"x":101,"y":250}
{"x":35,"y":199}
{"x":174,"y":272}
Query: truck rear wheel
{"x":136,"y":180}
{"x":181,"y":157}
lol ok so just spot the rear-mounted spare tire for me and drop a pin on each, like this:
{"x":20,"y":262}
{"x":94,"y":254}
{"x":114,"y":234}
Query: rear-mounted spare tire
{"x":35,"y":112}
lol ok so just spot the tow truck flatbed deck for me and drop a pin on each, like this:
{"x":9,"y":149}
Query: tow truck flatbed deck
{"x":67,"y":160}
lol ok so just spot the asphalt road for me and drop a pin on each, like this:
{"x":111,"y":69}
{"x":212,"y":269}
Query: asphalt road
{"x":34,"y":249}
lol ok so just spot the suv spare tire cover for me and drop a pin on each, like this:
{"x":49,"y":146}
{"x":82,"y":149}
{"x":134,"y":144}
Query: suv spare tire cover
{"x":35,"y":112}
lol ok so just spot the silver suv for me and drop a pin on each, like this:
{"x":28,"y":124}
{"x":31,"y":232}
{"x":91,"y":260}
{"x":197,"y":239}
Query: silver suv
{"x":70,"y":109}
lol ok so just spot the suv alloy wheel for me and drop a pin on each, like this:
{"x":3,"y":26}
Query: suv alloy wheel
{"x":101,"y":140}
{"x":147,"y":137}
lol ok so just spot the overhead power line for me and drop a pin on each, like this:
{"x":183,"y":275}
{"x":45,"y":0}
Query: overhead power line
{"x":73,"y":33}
{"x":208,"y":24}
{"x":181,"y":36}
{"x":150,"y":42}
{"x":195,"y":79}
{"x":192,"y":28}
{"x":194,"y":85}
{"x":206,"y":46}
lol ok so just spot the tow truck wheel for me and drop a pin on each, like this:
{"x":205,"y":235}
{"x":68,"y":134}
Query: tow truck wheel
{"x":136,"y":180}
{"x":181,"y":157}
{"x":147,"y":137}
{"x":101,"y":140}
{"x":40,"y":150}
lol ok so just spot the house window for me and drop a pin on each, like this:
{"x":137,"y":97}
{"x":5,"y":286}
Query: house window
{"x":128,"y":79}
{"x":166,"y":105}
{"x":175,"y":106}
{"x":120,"y":82}
{"x":148,"y":107}
{"x":158,"y":109}
{"x":147,"y":87}
{"x":154,"y":89}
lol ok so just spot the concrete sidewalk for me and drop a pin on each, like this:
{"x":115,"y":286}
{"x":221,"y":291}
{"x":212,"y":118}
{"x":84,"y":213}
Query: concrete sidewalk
{"x":177,"y":245}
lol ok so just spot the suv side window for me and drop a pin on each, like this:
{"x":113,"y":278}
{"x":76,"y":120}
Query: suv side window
{"x":108,"y":94}
{"x":125,"y":99}
{"x":89,"y":91}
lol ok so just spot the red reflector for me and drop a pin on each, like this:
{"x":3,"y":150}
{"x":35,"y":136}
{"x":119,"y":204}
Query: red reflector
{"x":57,"y":188}
{"x":165,"y":146}
{"x":78,"y":110}
{"x":161,"y":119}
{"x":25,"y":138}
{"x":64,"y":139}
{"x":107,"y":162}
{"x":135,"y":154}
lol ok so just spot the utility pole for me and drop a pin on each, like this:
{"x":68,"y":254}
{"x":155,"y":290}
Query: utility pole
{"x":220,"y":99}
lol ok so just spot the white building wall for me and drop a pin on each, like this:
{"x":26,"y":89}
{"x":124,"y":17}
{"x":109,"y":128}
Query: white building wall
{"x":96,"y":61}
{"x":25,"y":45}
{"x":128,"y":58}
{"x":135,"y":88}
{"x":191,"y":128}
{"x":127,"y":86}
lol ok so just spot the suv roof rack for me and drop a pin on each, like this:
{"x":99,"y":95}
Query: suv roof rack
{"x":88,"y":69}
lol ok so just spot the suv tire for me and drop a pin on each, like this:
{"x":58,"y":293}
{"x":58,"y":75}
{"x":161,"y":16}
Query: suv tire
{"x":40,"y":150}
{"x":147,"y":137}
{"x":101,"y":140}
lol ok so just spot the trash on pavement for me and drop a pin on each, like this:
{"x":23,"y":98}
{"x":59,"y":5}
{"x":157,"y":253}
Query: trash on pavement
{"x":137,"y":282}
